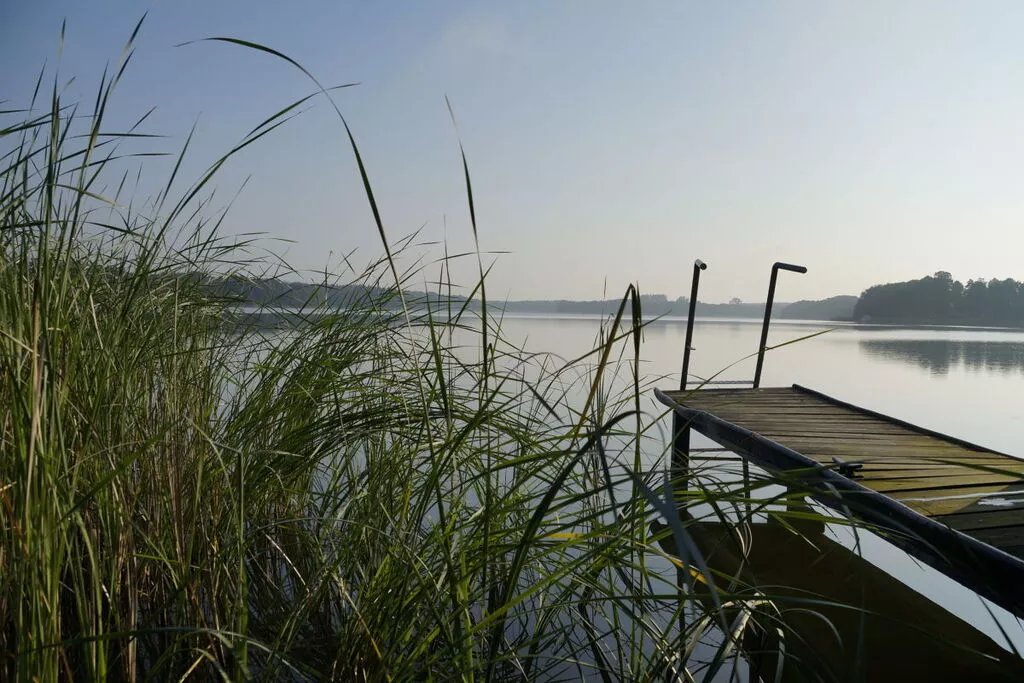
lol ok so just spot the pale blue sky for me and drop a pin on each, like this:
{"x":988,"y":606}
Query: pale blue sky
{"x":608,"y":141}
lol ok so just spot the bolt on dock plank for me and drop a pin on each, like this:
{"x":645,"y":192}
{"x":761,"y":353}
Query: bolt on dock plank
{"x":954,"y":505}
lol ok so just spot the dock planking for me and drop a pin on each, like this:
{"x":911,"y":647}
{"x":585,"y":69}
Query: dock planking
{"x":965,"y":488}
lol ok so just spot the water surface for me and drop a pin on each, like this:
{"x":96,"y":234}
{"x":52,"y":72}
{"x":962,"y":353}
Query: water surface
{"x":965,"y":382}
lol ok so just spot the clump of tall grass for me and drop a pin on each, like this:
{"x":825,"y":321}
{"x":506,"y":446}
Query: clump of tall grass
{"x":356,"y":496}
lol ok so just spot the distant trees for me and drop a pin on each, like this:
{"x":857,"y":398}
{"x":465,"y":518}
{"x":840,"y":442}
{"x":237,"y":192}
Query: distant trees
{"x":939,"y":298}
{"x":833,"y":308}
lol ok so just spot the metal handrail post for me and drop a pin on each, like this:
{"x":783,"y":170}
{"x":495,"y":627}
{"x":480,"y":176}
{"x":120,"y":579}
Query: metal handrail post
{"x":776,"y":267}
{"x":698,"y":266}
{"x":680,"y":430}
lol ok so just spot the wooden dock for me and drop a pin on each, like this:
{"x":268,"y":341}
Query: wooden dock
{"x":954,"y":505}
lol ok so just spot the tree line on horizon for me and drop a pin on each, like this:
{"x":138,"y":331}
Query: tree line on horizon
{"x":933,"y":299}
{"x":281,"y":293}
{"x":939,"y":299}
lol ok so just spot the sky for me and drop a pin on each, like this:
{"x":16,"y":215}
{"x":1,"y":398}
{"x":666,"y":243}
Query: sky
{"x":608,"y":142}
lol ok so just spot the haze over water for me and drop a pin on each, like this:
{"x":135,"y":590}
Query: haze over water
{"x":959,"y":381}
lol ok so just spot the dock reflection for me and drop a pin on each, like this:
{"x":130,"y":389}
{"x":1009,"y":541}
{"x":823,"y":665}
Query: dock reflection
{"x":835,"y":616}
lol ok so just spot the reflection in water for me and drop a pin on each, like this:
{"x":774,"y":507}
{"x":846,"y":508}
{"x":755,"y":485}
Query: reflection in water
{"x":940,"y":355}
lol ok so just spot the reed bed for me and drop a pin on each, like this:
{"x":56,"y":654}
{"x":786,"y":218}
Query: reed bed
{"x":388,"y":491}
{"x":384,"y":491}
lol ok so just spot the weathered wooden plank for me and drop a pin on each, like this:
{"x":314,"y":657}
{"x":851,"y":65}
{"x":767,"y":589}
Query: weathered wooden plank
{"x":896,"y":465}
{"x":760,"y":391}
{"x":893,"y":438}
{"x":715,"y":396}
{"x":912,"y":457}
{"x":853,"y":453}
{"x":933,"y":461}
{"x":814,"y":430}
{"x":828,"y":455}
{"x":782,"y":411}
{"x":1004,"y":501}
{"x":905,"y":457}
{"x":785,"y":410}
{"x":951,"y":484}
{"x":825,"y":433}
{"x":983,"y":519}
{"x":835,"y":428}
{"x":952,"y":474}
{"x":852,"y":422}
{"x":903,"y":468}
{"x":1001,"y":537}
{"x":819,"y":409}
{"x":971,"y":499}
{"x":867,"y":445}
{"x":773,"y":407}
{"x":845,"y":440}
{"x":798,"y":423}
{"x":777,"y":408}
{"x":1014,"y":489}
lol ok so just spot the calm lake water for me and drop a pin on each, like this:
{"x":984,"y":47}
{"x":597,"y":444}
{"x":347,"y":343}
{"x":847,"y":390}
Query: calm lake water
{"x":965,"y":382}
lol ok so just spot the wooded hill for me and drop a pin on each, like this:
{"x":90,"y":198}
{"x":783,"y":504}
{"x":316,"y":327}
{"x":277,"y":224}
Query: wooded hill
{"x":939,"y":299}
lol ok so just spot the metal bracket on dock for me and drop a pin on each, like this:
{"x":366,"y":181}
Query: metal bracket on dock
{"x":850,"y":470}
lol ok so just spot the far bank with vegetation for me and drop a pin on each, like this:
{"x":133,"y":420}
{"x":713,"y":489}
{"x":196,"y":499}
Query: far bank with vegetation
{"x":932,"y":300}
{"x":940,"y":300}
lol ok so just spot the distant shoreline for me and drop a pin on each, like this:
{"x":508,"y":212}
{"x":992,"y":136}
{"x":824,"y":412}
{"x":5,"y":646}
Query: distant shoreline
{"x":275,"y":316}
{"x":293,"y":296}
